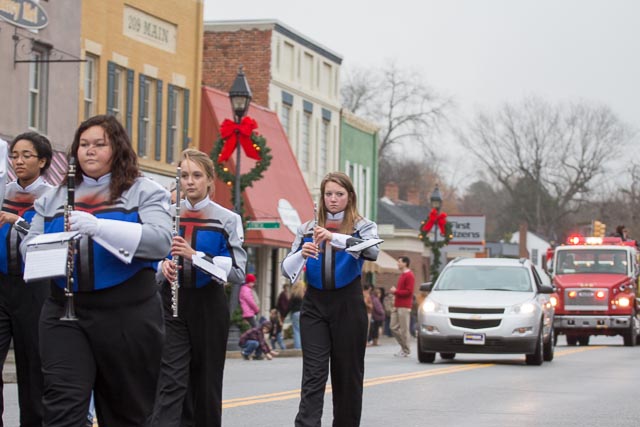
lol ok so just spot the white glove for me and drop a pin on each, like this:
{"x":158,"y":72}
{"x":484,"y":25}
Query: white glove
{"x":84,"y":222}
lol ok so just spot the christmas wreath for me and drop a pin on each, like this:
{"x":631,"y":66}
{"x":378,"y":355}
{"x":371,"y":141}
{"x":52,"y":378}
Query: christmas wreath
{"x":438,"y":219}
{"x":254,"y":146}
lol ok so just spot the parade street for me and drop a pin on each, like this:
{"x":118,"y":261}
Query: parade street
{"x":583,"y":386}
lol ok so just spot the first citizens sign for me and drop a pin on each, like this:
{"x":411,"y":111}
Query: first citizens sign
{"x":23,"y":13}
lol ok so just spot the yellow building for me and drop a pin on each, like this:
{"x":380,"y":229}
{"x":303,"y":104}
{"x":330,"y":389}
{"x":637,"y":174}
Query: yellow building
{"x":144,"y":65}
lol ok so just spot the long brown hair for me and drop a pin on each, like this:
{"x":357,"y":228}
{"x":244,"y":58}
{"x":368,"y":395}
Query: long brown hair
{"x":124,"y":161}
{"x":351,"y":215}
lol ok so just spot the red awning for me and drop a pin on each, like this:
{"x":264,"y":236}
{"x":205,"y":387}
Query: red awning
{"x":282,"y":184}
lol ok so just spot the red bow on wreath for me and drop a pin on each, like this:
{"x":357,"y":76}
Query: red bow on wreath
{"x":436,"y":218}
{"x":231,"y":132}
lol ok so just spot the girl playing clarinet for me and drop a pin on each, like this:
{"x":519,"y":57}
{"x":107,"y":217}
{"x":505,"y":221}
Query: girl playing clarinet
{"x":190,"y":385}
{"x":333,"y":318}
{"x":115,"y":344}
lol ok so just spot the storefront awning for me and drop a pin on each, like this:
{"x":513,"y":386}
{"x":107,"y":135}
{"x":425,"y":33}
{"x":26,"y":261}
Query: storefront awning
{"x":281,"y":195}
{"x":384,"y":264}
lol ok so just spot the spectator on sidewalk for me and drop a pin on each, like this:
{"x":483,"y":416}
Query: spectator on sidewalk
{"x":248,"y":302}
{"x":388,"y":301}
{"x":253,"y":344}
{"x":275,"y":333}
{"x":283,"y":301}
{"x":377,"y":317}
{"x":401,"y":314}
{"x":295,"y":304}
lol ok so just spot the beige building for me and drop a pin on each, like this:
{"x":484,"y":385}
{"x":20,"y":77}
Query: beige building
{"x":144,"y":65}
{"x":290,"y":74}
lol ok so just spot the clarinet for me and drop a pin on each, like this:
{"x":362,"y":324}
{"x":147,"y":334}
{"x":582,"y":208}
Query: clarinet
{"x":69,"y":308}
{"x":175,"y":284}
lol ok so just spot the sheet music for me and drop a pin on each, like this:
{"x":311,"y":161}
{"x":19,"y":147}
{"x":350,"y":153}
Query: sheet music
{"x":45,"y":238}
{"x":364,"y":245}
{"x":46,"y":261}
{"x":219,"y":270}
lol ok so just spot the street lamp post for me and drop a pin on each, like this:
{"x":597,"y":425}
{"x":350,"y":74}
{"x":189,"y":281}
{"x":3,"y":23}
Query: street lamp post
{"x":240,"y":96}
{"x":436,"y":203}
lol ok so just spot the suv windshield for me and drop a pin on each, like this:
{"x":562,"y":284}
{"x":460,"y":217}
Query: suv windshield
{"x":495,"y":278}
{"x":604,"y":261}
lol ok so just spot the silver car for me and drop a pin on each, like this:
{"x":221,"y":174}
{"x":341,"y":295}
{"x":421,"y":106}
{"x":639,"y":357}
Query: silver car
{"x":487,"y":305}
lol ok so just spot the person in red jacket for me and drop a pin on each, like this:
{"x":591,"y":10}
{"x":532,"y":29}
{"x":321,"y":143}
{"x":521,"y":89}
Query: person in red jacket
{"x":401,"y":313}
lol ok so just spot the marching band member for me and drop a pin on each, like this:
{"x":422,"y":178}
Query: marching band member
{"x":20,"y":304}
{"x":333,"y":318}
{"x":190,"y":384}
{"x":115,"y":345}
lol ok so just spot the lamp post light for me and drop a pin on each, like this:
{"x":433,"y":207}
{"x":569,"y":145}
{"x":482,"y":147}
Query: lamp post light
{"x":436,"y":203}
{"x":240,"y":97}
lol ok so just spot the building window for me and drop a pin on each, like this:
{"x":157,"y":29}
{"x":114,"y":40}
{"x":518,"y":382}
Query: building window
{"x":285,"y":117}
{"x":90,"y":85}
{"x":534,"y":257}
{"x":147,"y":116}
{"x":38,"y":89}
{"x":306,"y":141}
{"x":120,"y":94}
{"x":322,"y":149}
{"x":177,"y":122}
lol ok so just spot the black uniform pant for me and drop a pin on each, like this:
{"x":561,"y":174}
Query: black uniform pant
{"x":333,"y":325}
{"x":20,"y":306}
{"x":190,"y":384}
{"x":113,"y":350}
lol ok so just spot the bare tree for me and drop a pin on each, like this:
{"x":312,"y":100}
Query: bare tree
{"x":554,"y":153}
{"x":398,"y":101}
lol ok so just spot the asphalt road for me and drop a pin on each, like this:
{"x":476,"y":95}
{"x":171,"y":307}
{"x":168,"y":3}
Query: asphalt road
{"x":595,"y":385}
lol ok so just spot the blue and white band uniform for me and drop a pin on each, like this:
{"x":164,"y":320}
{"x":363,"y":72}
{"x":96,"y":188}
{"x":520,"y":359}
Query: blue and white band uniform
{"x":335,"y":268}
{"x":137,"y":225}
{"x":213,"y":232}
{"x":18,"y":201}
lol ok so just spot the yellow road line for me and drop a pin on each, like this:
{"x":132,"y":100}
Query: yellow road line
{"x":295,"y":394}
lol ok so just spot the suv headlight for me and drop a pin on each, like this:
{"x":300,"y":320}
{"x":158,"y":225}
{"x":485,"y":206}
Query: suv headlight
{"x":431,"y":306}
{"x":524,"y":308}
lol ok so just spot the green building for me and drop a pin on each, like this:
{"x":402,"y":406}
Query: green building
{"x":359,"y":159}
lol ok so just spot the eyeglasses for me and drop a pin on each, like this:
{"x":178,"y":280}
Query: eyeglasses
{"x":25,"y":156}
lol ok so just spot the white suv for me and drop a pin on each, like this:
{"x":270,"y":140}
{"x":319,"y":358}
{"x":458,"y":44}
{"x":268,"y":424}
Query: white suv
{"x":487,"y":305}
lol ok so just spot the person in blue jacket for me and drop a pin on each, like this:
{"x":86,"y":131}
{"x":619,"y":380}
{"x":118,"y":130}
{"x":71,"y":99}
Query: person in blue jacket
{"x":115,"y":345}
{"x":333,"y":317}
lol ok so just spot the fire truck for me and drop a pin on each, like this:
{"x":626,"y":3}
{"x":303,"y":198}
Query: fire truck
{"x":596,"y":281}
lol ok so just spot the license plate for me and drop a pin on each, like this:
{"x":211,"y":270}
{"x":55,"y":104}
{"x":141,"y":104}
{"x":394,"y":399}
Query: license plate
{"x":473,"y":339}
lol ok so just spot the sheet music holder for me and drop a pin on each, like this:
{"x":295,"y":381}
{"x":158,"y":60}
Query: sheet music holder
{"x":366,"y":244}
{"x":218,"y":269}
{"x":46,"y":255}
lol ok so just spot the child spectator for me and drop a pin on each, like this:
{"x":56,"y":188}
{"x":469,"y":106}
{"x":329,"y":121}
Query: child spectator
{"x":252,"y":341}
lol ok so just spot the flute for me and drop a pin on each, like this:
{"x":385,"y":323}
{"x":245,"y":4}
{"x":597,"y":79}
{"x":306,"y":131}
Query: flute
{"x":175,"y":284}
{"x":69,"y":307}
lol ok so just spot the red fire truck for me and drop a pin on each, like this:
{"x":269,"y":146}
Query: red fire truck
{"x":596,"y":282}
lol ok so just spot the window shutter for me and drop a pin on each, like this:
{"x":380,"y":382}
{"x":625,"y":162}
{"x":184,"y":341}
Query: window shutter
{"x":185,"y":121}
{"x":141,"y":127}
{"x":129,"y":117}
{"x":170,"y":141}
{"x":158,"y":149}
{"x":111,"y":75}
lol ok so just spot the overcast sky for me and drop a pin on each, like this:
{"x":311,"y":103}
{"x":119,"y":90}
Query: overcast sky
{"x":480,"y":52}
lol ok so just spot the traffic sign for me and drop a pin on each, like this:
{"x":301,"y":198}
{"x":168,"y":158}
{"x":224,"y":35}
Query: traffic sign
{"x":261,"y":225}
